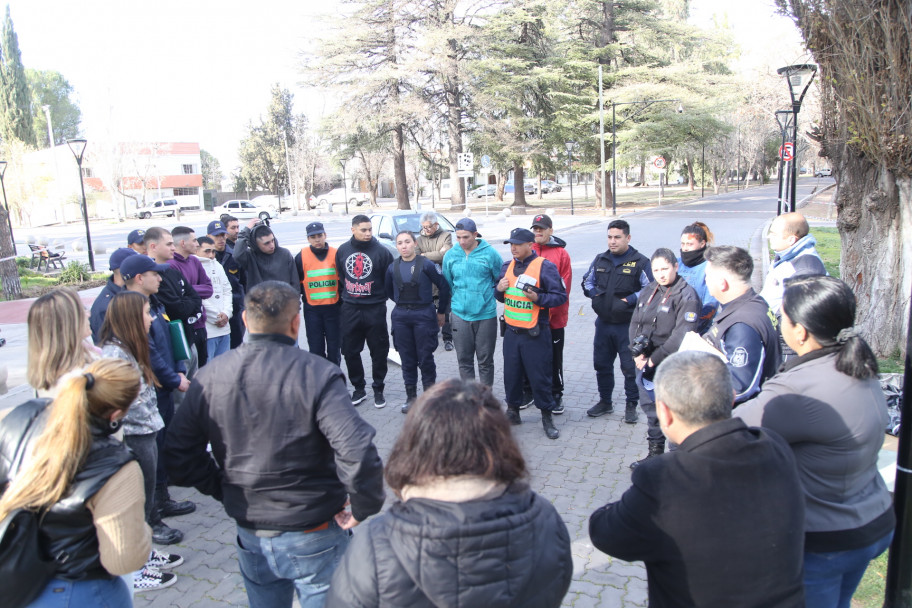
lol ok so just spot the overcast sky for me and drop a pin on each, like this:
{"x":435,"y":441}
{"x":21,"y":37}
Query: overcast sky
{"x":200,"y":70}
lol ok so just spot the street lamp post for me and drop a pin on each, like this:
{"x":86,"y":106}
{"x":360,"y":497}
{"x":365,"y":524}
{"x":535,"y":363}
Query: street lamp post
{"x":78,"y":147}
{"x":344,"y":185}
{"x":570,"y":145}
{"x":614,"y":124}
{"x":3,"y":165}
{"x":784,"y":118}
{"x":799,"y":78}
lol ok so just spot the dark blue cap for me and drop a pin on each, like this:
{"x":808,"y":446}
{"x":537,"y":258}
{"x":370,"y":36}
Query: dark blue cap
{"x":138,"y":264}
{"x":216,"y":228}
{"x":466,"y":224}
{"x":315,"y":228}
{"x":136,"y":237}
{"x":520,"y":236}
{"x":119,"y":256}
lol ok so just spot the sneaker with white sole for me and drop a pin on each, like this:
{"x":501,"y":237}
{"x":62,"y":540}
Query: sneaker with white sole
{"x":150,"y":579}
{"x":379,"y":399}
{"x":159,"y":560}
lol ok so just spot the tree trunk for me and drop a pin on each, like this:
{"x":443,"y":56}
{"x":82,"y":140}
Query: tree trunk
{"x":643,"y":172}
{"x":501,"y":184}
{"x":453,"y":98}
{"x":519,"y":190}
{"x":599,"y":176}
{"x":402,"y":196}
{"x":691,"y":180}
{"x":9,"y":272}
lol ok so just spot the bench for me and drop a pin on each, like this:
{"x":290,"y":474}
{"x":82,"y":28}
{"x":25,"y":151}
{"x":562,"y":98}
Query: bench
{"x":42,"y":255}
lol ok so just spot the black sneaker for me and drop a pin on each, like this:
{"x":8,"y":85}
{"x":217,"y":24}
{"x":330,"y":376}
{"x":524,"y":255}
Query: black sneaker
{"x":358,"y":396}
{"x":630,"y":413}
{"x":150,"y":579}
{"x":513,"y":416}
{"x":558,"y":405}
{"x":600,"y":409}
{"x":173,"y":508}
{"x":159,"y":560}
{"x":448,"y":345}
{"x":379,"y":399}
{"x":163,"y":534}
{"x":527,"y":400}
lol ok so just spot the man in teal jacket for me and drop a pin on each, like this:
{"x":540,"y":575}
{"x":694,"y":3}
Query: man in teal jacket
{"x":472,"y":269}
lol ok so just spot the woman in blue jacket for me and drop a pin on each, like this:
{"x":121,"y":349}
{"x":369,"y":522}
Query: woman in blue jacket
{"x":409,"y":283}
{"x":695,"y":238}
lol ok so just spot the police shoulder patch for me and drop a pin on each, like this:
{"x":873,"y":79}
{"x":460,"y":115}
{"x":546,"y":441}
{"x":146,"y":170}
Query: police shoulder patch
{"x":690,"y":317}
{"x":739,"y":357}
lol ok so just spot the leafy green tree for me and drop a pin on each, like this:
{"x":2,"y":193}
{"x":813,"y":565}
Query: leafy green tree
{"x":51,"y":89}
{"x":211,"y":170}
{"x":15,"y":99}
{"x":262,"y":152}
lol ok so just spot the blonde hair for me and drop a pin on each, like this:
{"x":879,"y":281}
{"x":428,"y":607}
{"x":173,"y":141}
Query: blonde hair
{"x":56,"y":326}
{"x":60,"y":451}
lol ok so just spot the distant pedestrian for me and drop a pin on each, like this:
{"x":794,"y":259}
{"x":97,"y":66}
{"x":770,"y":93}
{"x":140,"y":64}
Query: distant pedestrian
{"x":114,"y":286}
{"x":695,"y":238}
{"x":218,"y":307}
{"x":472,"y":270}
{"x":289,"y":452}
{"x":219,"y":235}
{"x":409,"y":282}
{"x":320,"y":286}
{"x":612,"y":282}
{"x":433,"y":243}
{"x":258,"y":253}
{"x":364,"y":260}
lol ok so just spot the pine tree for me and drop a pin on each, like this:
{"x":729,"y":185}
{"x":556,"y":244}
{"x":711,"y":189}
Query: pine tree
{"x":15,"y":97}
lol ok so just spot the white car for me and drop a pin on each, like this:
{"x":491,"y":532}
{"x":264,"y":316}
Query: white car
{"x":168,"y":206}
{"x":243,"y":210}
{"x":336,"y":196}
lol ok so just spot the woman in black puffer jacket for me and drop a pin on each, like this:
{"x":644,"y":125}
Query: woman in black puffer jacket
{"x":467,"y":531}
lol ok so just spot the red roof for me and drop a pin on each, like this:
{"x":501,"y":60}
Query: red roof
{"x":160,"y":148}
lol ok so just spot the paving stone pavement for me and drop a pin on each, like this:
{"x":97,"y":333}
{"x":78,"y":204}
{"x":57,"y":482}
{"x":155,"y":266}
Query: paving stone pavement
{"x":579,"y":472}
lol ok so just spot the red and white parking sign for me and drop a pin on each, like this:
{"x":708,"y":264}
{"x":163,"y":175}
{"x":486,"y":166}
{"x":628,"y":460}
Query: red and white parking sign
{"x":787,"y":151}
{"x":659,"y":163}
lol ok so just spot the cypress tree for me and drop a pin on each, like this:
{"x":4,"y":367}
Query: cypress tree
{"x":15,"y":97}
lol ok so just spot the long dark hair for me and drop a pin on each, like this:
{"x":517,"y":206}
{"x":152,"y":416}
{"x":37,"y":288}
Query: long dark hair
{"x":455,"y":428}
{"x":124,"y":324}
{"x":825,"y":307}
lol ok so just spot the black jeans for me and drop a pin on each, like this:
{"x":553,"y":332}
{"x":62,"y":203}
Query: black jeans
{"x":145,"y":448}
{"x":360,"y":324}
{"x":321,"y":325}
{"x":202,"y":348}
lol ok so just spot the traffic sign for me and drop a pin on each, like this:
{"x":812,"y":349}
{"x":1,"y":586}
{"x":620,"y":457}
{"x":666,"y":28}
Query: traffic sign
{"x":485,"y":161}
{"x":464,"y":161}
{"x":787,"y":151}
{"x":659,"y":162}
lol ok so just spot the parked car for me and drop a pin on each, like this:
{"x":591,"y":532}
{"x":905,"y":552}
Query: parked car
{"x":388,"y":224}
{"x":528,"y":187}
{"x":823,"y":173}
{"x":482,"y":191}
{"x":243,"y":210}
{"x":336,"y":196}
{"x":548,"y":185}
{"x":271,"y":201}
{"x":168,"y":206}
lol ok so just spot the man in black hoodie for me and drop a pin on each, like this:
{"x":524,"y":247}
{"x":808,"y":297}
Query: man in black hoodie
{"x":362,"y":262}
{"x":258,"y":253}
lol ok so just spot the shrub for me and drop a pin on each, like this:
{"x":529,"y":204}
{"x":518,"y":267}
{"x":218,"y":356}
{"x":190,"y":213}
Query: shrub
{"x":75,"y":272}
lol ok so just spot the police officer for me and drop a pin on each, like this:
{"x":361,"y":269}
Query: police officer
{"x":744,"y":329}
{"x":612,"y":282}
{"x":410,"y":282}
{"x":666,"y":309}
{"x":529,"y":286}
{"x":320,"y":294}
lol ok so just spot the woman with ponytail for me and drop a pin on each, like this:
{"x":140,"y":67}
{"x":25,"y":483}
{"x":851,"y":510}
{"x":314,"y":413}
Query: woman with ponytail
{"x":125,"y":335}
{"x":828,"y":405}
{"x":695,"y":239}
{"x":85,"y":483}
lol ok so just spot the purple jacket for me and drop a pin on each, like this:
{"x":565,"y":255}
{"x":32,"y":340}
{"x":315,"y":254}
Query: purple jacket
{"x":196,"y":275}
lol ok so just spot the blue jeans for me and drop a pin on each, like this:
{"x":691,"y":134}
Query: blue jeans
{"x":218,"y":346}
{"x":100,"y":593}
{"x":830,"y":579}
{"x":274,"y":568}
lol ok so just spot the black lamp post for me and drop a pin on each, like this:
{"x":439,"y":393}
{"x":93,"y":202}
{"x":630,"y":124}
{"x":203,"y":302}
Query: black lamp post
{"x":3,"y":165}
{"x":570,"y":145}
{"x":784,"y":118}
{"x":344,"y":185}
{"x":78,"y":147}
{"x":799,"y":78}
{"x":614,"y":124}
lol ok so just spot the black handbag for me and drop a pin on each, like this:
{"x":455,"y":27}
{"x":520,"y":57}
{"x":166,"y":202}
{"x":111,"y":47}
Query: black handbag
{"x":24,"y":568}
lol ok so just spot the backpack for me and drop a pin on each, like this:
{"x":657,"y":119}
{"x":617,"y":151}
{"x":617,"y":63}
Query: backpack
{"x":24,"y":568}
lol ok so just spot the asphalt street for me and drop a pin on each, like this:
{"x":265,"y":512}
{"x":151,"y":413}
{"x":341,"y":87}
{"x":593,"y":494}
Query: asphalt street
{"x":579,"y":472}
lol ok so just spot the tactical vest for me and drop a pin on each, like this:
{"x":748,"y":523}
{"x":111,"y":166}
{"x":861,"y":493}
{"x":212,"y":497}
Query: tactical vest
{"x":616,"y":282}
{"x":321,"y":280}
{"x":519,"y":310}
{"x":408,"y":292}
{"x":754,"y":312}
{"x":67,"y":528}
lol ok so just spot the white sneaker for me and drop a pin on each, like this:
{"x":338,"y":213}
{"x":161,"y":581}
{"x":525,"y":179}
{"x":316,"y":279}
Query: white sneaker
{"x":150,"y":579}
{"x":159,"y":560}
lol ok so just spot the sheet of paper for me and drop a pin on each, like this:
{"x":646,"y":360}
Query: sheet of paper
{"x":693,"y":341}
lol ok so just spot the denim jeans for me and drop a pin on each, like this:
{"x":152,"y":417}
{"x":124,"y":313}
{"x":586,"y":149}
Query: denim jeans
{"x":274,"y":568}
{"x":218,"y":345}
{"x":830,"y":579}
{"x":98,"y":593}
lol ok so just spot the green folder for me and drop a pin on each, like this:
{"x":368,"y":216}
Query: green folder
{"x":179,"y":343}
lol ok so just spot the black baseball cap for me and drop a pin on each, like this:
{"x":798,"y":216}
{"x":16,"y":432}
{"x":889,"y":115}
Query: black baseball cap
{"x":520,"y":236}
{"x":542,"y":221}
{"x":138,"y":264}
{"x":314,"y":228}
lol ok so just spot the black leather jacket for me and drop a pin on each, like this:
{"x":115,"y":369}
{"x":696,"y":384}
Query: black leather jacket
{"x":68,"y":527}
